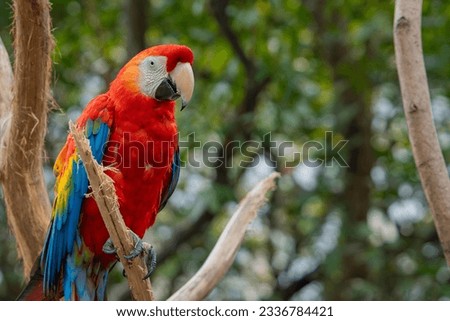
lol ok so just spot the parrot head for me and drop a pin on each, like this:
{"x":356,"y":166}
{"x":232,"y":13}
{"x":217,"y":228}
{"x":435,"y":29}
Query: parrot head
{"x":161,"y":72}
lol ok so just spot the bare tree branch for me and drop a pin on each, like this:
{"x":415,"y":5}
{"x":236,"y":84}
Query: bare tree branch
{"x":105,"y":196}
{"x":417,"y":106}
{"x":223,"y":253}
{"x":27,"y":203}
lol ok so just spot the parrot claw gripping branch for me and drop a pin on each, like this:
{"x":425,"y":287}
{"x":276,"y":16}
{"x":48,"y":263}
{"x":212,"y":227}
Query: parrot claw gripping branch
{"x":140,"y":248}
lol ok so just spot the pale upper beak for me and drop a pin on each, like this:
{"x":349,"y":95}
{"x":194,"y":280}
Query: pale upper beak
{"x":183,"y":78}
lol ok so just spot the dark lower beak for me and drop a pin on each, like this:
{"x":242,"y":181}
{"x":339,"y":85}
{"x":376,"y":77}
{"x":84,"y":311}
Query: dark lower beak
{"x":167,"y":90}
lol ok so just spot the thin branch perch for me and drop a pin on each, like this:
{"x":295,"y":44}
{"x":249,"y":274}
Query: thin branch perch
{"x":224,"y":252}
{"x":417,"y":106}
{"x":105,"y":196}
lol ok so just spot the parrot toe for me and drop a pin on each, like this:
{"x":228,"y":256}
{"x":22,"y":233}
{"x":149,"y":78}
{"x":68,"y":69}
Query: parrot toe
{"x":150,"y":260}
{"x":109,"y":247}
{"x":138,"y":247}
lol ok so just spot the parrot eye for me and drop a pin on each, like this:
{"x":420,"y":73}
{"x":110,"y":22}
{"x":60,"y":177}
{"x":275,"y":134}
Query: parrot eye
{"x":154,"y":63}
{"x":151,"y":63}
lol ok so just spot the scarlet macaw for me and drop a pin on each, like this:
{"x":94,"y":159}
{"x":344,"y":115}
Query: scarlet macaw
{"x":131,"y":128}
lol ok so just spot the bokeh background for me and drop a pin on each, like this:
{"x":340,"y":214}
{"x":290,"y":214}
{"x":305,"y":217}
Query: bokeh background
{"x":294,"y":69}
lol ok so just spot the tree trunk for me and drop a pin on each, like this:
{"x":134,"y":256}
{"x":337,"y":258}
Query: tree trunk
{"x":27,"y":203}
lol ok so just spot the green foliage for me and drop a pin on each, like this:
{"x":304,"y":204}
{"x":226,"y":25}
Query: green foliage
{"x":331,"y":68}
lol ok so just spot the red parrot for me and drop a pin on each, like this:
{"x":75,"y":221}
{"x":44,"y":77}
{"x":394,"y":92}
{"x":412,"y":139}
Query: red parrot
{"x":132,"y":129}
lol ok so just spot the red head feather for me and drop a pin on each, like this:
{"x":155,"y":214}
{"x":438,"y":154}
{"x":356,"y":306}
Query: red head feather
{"x":129,"y":74}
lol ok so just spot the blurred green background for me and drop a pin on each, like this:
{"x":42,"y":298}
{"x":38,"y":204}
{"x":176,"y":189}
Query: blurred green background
{"x":294,"y":69}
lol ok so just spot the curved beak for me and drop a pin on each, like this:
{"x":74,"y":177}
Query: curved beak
{"x":183,"y":78}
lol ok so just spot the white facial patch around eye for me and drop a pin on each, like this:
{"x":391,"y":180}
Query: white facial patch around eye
{"x":152,"y":72}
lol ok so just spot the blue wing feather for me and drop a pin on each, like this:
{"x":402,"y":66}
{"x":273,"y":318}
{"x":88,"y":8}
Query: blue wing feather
{"x":62,"y":233}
